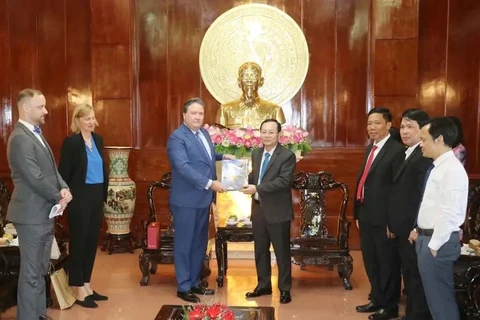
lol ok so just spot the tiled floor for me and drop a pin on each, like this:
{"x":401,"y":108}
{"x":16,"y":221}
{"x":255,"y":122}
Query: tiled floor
{"x":316,"y":292}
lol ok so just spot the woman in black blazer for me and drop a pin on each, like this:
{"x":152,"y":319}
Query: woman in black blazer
{"x":82,"y":166}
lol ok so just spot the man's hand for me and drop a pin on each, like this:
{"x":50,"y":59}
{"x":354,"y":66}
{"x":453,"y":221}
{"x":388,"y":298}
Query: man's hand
{"x":434,"y":252}
{"x":249,"y":189}
{"x":358,"y":226}
{"x":413,"y":236}
{"x":66,"y":196}
{"x":389,"y":234}
{"x":228,"y":156}
{"x":217,"y":186}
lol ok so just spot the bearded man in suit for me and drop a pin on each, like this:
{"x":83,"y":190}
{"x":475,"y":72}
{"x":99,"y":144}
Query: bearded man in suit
{"x":38,"y":187}
{"x":272,"y":210}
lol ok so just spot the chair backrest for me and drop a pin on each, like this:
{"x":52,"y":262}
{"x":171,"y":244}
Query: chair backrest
{"x":163,"y":183}
{"x":313,"y":188}
{"x":4,"y":200}
{"x":471,"y":227}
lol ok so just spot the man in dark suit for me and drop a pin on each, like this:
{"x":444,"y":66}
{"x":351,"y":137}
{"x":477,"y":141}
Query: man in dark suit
{"x":192,"y":159}
{"x":272,"y":210}
{"x":371,"y":215}
{"x":405,"y":198}
{"x":38,"y":187}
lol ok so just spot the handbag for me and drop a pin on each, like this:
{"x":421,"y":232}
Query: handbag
{"x":55,"y":251}
{"x":63,"y":291}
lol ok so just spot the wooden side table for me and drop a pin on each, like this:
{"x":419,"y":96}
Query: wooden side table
{"x":175,"y":312}
{"x":225,"y":234}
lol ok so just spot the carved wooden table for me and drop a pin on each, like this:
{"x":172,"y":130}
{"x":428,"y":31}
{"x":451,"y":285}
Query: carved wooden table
{"x":224,"y":234}
{"x":175,"y":312}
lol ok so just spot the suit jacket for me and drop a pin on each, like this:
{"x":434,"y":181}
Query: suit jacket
{"x":73,"y":166}
{"x":374,"y":209}
{"x":407,"y":191}
{"x":35,"y":177}
{"x":191,"y":168}
{"x":274,"y":190}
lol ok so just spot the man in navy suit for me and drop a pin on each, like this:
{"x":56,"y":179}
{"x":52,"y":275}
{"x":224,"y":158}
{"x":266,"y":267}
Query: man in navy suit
{"x":192,"y":159}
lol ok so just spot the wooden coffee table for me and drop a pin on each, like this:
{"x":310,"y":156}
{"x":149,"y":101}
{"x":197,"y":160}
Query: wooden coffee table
{"x":175,"y":312}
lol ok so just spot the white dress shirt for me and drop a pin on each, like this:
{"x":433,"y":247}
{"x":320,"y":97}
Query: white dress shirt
{"x":380,"y":145}
{"x":31,"y":127}
{"x":261,"y":166}
{"x":410,"y":150}
{"x":444,"y":203}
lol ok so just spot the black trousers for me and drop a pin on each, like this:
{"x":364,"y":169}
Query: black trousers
{"x":417,"y":306}
{"x":278,"y":234}
{"x":381,"y":264}
{"x":84,"y":223}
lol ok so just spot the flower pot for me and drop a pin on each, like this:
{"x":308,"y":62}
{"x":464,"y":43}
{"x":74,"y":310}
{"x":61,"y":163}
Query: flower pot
{"x":121,"y":192}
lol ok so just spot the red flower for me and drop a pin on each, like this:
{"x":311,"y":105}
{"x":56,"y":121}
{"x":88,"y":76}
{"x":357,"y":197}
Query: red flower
{"x":213,"y":311}
{"x":195,"y":314}
{"x":228,"y":315}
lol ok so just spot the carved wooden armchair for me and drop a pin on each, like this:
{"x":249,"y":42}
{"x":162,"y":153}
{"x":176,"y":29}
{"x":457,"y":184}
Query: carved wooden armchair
{"x":316,"y":246}
{"x":150,"y":258}
{"x":467,"y":268}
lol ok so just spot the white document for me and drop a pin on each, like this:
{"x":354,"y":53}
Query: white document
{"x":56,"y":211}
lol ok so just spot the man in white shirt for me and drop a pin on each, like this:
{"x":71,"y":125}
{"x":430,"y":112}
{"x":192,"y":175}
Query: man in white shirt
{"x":442,"y":211}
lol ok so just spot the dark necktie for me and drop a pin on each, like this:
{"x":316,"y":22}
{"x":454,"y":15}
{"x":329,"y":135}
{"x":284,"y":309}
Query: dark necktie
{"x":37,"y":129}
{"x":264,"y":165}
{"x":203,"y":146}
{"x":361,"y":183}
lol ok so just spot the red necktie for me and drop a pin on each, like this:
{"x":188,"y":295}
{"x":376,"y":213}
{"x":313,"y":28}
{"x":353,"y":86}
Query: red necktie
{"x":361,"y":183}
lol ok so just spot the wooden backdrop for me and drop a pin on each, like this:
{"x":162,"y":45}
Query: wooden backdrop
{"x":137,"y":61}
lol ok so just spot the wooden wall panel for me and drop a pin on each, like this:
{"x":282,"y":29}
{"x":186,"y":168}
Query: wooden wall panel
{"x":352,"y":55}
{"x":111,"y":76}
{"x":184,"y":39}
{"x":432,"y":55}
{"x":51,"y":34}
{"x":114,"y":119}
{"x":395,"y":67}
{"x":78,"y":53}
{"x":111,"y":21}
{"x":396,"y":19}
{"x":396,"y":105}
{"x":463,"y":72}
{"x":6,"y":103}
{"x":152,"y":33}
{"x":320,"y":27}
{"x":23,"y":47}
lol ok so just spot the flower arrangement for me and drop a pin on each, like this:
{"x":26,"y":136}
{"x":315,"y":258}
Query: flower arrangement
{"x":241,"y":142}
{"x":215,"y":311}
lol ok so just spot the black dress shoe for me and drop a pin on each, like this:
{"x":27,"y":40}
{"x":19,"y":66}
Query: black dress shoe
{"x":188,"y":296}
{"x":384,"y":314}
{"x":203,"y":291}
{"x":257,"y":292}
{"x":285,"y":297}
{"x":367,"y":308}
{"x":45,"y":317}
{"x":87,"y":302}
{"x":98,"y":297}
